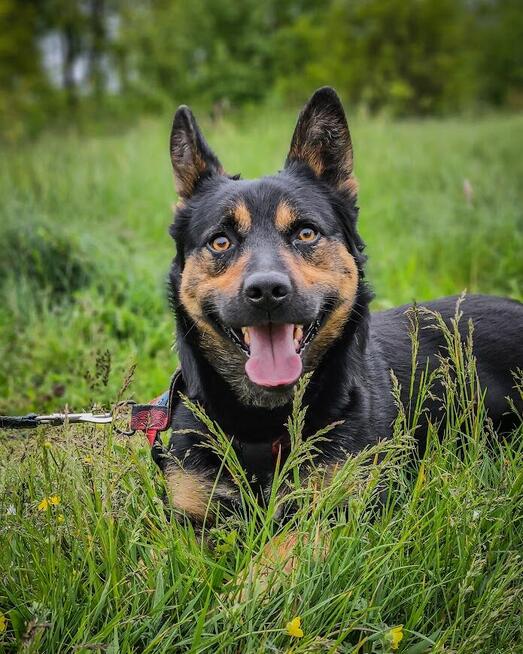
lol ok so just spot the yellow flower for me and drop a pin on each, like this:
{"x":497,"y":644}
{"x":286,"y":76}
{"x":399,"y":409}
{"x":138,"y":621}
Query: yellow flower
{"x":53,"y":500}
{"x":395,"y":636}
{"x":44,"y":504}
{"x":294,"y":628}
{"x":3,"y":623}
{"x":60,"y":518}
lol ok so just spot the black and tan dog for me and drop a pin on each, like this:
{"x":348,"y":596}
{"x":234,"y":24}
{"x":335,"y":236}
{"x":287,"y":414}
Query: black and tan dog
{"x":267,"y":284}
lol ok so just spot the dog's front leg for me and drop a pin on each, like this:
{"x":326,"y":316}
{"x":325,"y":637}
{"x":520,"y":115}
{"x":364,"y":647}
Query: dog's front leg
{"x":198,"y":496}
{"x":282,"y":552}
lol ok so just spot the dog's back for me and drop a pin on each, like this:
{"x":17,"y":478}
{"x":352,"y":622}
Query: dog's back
{"x":497,"y":345}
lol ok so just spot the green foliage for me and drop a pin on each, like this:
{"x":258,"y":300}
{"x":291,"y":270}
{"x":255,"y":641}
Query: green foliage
{"x":51,"y":262}
{"x":499,"y":45}
{"x":91,"y":558}
{"x":219,"y":51}
{"x":408,"y":57}
{"x":116,"y":60}
{"x":25,"y":98}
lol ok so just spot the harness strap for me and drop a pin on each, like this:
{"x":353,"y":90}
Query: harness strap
{"x":156,"y":416}
{"x":258,"y":457}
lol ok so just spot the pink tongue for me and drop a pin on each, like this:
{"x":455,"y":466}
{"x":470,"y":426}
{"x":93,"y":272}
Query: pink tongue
{"x":273,"y":360}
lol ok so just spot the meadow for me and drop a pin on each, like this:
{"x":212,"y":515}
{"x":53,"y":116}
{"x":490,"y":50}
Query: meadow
{"x":90,"y":559}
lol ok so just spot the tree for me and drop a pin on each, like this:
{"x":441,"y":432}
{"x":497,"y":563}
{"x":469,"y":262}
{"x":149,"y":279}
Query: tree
{"x":22,"y":79}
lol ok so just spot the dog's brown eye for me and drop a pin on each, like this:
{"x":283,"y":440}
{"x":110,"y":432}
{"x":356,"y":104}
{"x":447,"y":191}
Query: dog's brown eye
{"x":307,"y":235}
{"x":220,"y":243}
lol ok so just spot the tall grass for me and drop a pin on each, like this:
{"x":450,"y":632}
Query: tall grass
{"x":101,"y":565}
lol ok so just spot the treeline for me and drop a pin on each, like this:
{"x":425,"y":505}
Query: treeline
{"x":85,"y":58}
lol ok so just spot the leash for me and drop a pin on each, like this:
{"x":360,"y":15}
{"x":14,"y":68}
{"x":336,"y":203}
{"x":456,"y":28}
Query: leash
{"x":258,"y":458}
{"x":33,"y":420}
{"x":151,"y":418}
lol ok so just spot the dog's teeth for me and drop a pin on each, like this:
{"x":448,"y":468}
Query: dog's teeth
{"x":296,"y":345}
{"x":246,"y":337}
{"x":298,"y":333}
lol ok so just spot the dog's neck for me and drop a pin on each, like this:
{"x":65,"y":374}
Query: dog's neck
{"x":337,"y":376}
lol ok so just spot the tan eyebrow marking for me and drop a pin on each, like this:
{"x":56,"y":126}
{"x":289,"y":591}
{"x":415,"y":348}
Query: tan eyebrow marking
{"x":285,"y":216}
{"x":242,"y":217}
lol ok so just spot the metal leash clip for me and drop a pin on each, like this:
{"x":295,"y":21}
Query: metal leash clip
{"x":56,"y":419}
{"x":33,"y":420}
{"x":61,"y":418}
{"x":119,"y":405}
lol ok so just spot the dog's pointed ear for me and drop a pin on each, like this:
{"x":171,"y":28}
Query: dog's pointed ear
{"x":321,"y":140}
{"x":191,"y":157}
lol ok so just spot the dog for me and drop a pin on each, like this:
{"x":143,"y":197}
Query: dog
{"x":268,"y":284}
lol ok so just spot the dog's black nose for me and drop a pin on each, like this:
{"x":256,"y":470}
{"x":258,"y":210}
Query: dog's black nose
{"x":267,"y":290}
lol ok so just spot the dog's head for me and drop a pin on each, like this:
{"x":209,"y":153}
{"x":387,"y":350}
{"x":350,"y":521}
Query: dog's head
{"x":268,"y":271}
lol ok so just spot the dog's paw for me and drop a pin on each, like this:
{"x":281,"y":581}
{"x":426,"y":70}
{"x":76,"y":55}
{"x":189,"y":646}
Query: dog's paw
{"x":278,"y":556}
{"x":279,"y":559}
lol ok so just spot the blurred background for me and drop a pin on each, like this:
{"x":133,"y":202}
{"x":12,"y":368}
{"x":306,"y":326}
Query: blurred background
{"x":75,"y":60}
{"x":434,"y":94}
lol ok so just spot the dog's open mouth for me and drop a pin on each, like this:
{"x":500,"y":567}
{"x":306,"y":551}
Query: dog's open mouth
{"x":274,"y":351}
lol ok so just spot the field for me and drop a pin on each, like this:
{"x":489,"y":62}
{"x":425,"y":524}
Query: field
{"x":89,"y":560}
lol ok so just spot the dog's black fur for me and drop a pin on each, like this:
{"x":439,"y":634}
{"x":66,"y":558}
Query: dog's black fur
{"x":352,"y":353}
